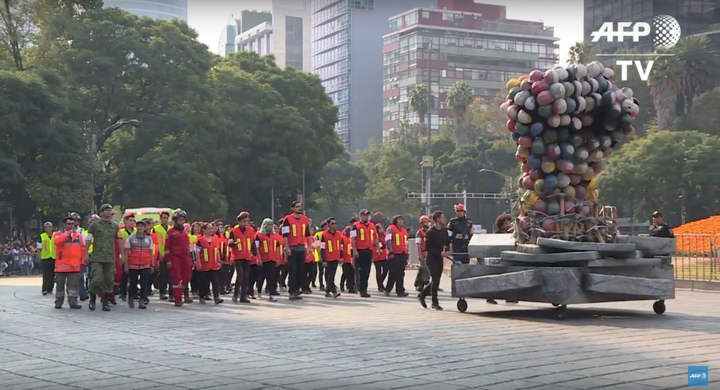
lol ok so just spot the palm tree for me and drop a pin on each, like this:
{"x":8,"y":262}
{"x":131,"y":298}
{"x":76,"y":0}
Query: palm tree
{"x":664,"y":82}
{"x":459,"y":99}
{"x":418,"y":101}
{"x":700,"y":63}
{"x":581,"y":53}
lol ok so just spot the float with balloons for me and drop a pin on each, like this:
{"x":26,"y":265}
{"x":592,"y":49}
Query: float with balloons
{"x":565,"y":121}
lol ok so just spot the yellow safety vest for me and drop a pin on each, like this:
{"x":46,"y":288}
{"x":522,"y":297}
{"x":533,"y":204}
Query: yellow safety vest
{"x":192,"y":239}
{"x":316,"y":251}
{"x":161,"y":234}
{"x":48,"y":246}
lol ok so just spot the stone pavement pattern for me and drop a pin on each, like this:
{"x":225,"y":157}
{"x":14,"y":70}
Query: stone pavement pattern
{"x":377,"y":343}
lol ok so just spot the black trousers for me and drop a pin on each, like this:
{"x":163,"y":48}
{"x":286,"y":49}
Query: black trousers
{"x":284,"y":272}
{"x":396,"y":276}
{"x":141,"y":276}
{"x":227,"y":272}
{"x":435,"y":264}
{"x":278,"y":275}
{"x":163,"y":279}
{"x":123,"y":288}
{"x":296,"y":271}
{"x":348,"y":273}
{"x":381,"y":272}
{"x":253,"y":278}
{"x":330,"y":271}
{"x":195,"y":282}
{"x":363,"y":264}
{"x":47,"y":266}
{"x":206,"y":279}
{"x":241,"y":278}
{"x":269,"y":274}
{"x":321,"y":273}
{"x":310,"y":271}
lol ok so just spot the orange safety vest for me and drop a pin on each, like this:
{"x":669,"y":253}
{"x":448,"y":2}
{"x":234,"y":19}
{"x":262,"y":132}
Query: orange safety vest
{"x":224,"y":249}
{"x":266,"y":246}
{"x":399,"y":237}
{"x":242,"y":243}
{"x":422,"y":241}
{"x":156,"y":249}
{"x":69,"y":251}
{"x":347,"y":249}
{"x":281,"y":244}
{"x":364,"y":235}
{"x":209,"y":258}
{"x":140,"y":253}
{"x":383,"y":251}
{"x":296,"y":229}
{"x":332,"y":245}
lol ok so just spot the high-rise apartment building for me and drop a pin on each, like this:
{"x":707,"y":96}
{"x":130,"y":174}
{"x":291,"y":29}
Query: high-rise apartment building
{"x":347,"y":56}
{"x":227,"y":37}
{"x":156,"y":9}
{"x":287,"y":36}
{"x":252,"y":18}
{"x":694,"y":16}
{"x":466,"y":41}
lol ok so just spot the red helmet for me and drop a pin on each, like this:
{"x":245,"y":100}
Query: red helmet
{"x":423,"y":218}
{"x":459,"y":207}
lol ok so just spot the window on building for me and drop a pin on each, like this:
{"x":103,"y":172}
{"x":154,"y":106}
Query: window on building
{"x":395,"y":23}
{"x":294,"y":42}
{"x":426,"y":14}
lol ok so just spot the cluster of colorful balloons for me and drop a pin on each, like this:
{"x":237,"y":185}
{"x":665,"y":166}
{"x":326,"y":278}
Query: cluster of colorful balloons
{"x":565,"y":122}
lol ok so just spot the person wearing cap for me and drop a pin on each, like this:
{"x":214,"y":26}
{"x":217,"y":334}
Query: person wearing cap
{"x":137,"y":264}
{"x":364,"y":240}
{"x":658,"y":228}
{"x":102,"y":235}
{"x":296,"y":239}
{"x":460,"y":231}
{"x":423,"y":275}
{"x":47,"y":258}
{"x":242,"y":244}
{"x":121,"y":276}
{"x":69,"y":252}
{"x":163,"y":278}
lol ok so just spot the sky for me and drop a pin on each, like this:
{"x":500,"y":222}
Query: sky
{"x":566,"y":16}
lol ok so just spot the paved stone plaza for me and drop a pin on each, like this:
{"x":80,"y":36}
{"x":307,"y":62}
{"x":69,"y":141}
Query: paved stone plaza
{"x":377,"y":343}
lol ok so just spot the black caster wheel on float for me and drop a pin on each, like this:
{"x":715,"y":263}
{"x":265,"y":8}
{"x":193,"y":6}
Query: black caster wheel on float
{"x":556,"y":305}
{"x":462,"y":305}
{"x":560,"y":311}
{"x":659,"y":307}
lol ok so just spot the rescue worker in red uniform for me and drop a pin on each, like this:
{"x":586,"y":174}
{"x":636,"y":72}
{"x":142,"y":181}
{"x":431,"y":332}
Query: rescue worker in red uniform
{"x":208,"y":262}
{"x":242,"y":243}
{"x":331,"y":252}
{"x":396,"y":242}
{"x":177,"y":257}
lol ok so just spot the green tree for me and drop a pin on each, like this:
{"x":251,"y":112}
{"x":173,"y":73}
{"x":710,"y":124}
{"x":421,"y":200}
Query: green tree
{"x":700,"y":63}
{"x":43,"y":156}
{"x":342,"y":190}
{"x":664,"y":82}
{"x":459,"y":99}
{"x":581,"y":53}
{"x":418,"y":98}
{"x":651,"y":173}
{"x":704,"y":116}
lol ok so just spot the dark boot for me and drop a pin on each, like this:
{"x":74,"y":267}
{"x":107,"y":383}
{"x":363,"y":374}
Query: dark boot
{"x":131,"y":303}
{"x":75,"y":305}
{"x":106,"y":302}
{"x":93,"y":299}
{"x":142,"y":305}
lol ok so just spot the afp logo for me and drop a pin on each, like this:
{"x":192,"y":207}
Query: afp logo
{"x":698,"y":376}
{"x":665,"y":28}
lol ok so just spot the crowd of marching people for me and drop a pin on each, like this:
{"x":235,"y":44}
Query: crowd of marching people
{"x":205,"y":261}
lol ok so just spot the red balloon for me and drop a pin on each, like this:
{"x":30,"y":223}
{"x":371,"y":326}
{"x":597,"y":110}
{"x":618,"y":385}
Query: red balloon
{"x":522,"y":78}
{"x":520,"y":158}
{"x":575,"y":180}
{"x":569,"y":207}
{"x":525,"y":168}
{"x":548,"y":225}
{"x":607,"y":152}
{"x":598,"y":167}
{"x":536,"y":75}
{"x":510,"y":125}
{"x":525,"y":141}
{"x":580,"y":192}
{"x":528,"y":183}
{"x":540,"y":206}
{"x":536,"y":174}
{"x":552,"y":151}
{"x":538,"y":87}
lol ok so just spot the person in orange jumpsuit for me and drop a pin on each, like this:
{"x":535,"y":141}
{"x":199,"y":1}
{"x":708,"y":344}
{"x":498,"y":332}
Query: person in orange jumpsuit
{"x":177,"y":257}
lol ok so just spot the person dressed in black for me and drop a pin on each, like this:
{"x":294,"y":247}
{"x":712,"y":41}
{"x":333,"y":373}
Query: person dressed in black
{"x":461,"y":231}
{"x":659,"y":228}
{"x":437,"y":242}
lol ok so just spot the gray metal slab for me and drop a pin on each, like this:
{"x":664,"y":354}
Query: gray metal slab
{"x":510,"y":281}
{"x":628,"y":285}
{"x":585,"y":246}
{"x":650,"y":245}
{"x":489,"y":245}
{"x":549,"y":257}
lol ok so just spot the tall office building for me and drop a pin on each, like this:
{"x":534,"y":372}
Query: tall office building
{"x":287,"y":36}
{"x":469,"y":42}
{"x":252,"y":18}
{"x":156,"y":9}
{"x":694,"y":16}
{"x":227,"y":37}
{"x":347,"y":56}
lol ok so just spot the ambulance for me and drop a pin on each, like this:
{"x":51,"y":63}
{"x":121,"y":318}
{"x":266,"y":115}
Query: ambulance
{"x":147,"y":213}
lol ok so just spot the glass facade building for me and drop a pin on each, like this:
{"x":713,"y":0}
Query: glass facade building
{"x":294,"y":42}
{"x":694,"y":16}
{"x":156,"y":9}
{"x":347,"y":56}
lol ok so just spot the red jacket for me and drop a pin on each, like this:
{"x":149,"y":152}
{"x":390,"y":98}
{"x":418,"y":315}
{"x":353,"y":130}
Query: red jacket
{"x":177,"y":245}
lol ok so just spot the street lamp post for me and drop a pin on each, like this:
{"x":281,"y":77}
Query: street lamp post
{"x":508,"y":182}
{"x":428,"y":160}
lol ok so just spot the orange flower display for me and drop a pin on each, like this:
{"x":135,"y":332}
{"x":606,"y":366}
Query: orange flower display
{"x":698,"y":236}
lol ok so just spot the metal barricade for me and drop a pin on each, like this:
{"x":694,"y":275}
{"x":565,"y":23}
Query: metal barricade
{"x":696,"y":257}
